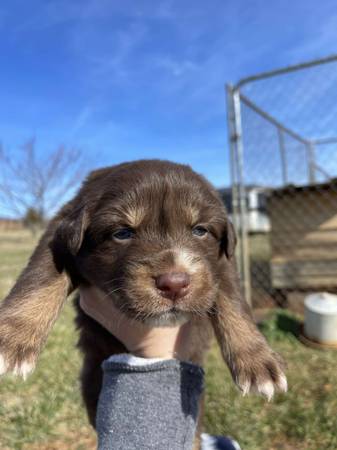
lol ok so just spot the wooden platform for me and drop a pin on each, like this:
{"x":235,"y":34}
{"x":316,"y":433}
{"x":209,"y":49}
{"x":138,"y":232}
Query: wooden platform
{"x":304,"y":236}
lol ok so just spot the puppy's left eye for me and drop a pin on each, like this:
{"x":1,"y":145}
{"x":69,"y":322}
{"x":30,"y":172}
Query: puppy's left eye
{"x":123,"y":234}
{"x":199,"y":231}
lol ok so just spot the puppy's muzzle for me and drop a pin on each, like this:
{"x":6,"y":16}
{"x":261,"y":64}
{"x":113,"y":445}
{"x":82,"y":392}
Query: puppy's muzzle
{"x":173,"y":285}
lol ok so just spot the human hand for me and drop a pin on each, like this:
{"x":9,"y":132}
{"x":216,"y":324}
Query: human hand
{"x":140,"y":339}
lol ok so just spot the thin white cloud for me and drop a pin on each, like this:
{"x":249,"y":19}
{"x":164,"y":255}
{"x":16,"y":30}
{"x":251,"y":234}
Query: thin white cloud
{"x":112,"y":62}
{"x":81,"y":120}
{"x":174,"y":66}
{"x":51,"y":13}
{"x":319,"y":42}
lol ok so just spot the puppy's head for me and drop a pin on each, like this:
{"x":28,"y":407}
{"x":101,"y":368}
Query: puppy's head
{"x":151,"y":235}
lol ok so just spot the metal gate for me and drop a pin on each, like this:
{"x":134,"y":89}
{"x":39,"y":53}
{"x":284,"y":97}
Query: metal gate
{"x":282,"y":128}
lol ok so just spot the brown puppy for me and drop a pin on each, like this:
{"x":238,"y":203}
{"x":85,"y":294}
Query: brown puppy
{"x":154,"y":236}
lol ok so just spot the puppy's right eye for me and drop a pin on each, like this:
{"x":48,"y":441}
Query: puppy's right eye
{"x":123,"y":234}
{"x":199,"y":231}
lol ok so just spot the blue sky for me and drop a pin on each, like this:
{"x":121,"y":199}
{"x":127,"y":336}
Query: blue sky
{"x":124,"y":80}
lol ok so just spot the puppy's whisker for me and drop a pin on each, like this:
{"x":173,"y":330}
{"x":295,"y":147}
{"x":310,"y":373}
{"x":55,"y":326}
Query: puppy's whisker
{"x":113,"y":291}
{"x":113,"y":280}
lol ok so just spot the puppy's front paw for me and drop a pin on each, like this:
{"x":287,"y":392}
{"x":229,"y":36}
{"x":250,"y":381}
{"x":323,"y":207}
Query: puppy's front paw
{"x":17,"y":366}
{"x":17,"y":353}
{"x":259,"y":372}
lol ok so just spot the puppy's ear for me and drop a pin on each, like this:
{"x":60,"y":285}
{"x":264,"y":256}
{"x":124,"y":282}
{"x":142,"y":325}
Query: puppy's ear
{"x":70,"y":233}
{"x":32,"y":306}
{"x":228,"y":241}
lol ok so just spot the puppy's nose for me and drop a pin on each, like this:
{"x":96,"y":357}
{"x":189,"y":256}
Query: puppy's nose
{"x":173,"y":285}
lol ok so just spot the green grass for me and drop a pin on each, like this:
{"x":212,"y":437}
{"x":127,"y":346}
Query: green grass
{"x":46,"y":413}
{"x":48,"y":404}
{"x":304,"y":418}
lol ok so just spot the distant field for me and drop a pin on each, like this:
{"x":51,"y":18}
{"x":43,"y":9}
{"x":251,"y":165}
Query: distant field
{"x":45,"y":412}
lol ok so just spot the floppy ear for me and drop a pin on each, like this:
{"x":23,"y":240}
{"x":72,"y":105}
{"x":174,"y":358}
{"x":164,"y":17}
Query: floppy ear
{"x":228,"y":242}
{"x":70,"y":233}
{"x":68,"y":239}
{"x":34,"y":303}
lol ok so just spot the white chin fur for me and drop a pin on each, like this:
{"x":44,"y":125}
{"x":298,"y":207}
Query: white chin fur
{"x":168,"y":319}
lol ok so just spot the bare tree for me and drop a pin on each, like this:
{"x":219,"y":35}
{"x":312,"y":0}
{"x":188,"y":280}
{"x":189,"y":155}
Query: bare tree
{"x":33,"y":186}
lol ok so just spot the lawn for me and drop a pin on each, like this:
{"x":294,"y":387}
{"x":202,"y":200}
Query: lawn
{"x":46,"y":412}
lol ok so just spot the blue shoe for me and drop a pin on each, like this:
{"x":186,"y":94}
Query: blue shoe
{"x":209,"y":442}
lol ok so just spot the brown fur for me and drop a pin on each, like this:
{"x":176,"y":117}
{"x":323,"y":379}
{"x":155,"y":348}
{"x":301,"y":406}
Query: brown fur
{"x":162,"y":201}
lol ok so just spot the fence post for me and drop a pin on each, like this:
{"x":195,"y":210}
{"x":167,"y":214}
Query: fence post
{"x":310,"y":146}
{"x":238,"y":186}
{"x":233,"y":170}
{"x":283,"y":156}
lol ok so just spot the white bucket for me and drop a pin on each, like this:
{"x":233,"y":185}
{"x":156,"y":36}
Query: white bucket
{"x":320,"y":317}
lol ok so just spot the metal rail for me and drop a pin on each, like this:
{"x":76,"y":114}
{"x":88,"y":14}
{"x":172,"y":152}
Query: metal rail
{"x":238,"y":188}
{"x":272,"y":120}
{"x":331,"y":140}
{"x":283,"y":70}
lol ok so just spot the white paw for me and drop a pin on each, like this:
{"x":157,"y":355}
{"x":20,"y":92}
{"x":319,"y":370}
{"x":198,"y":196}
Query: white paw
{"x":3,"y":365}
{"x":245,"y":387}
{"x":282,"y":383}
{"x":266,"y":388}
{"x":22,"y":369}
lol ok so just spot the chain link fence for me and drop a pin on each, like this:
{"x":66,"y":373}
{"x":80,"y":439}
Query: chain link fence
{"x":283,"y":149}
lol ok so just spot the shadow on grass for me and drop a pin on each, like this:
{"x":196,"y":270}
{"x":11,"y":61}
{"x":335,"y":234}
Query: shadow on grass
{"x":280,"y":325}
{"x":288,"y":324}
